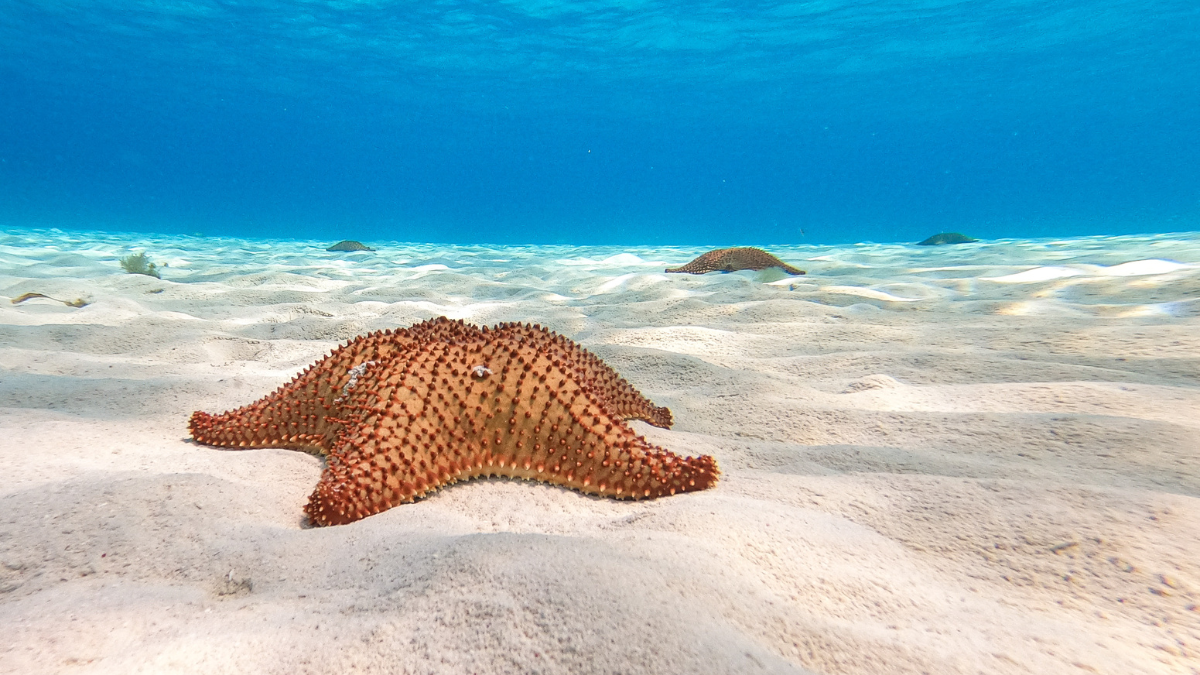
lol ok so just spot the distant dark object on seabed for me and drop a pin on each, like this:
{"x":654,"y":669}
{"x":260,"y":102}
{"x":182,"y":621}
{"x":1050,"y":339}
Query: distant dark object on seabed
{"x":946,"y":238}
{"x":349,"y":245}
{"x":734,"y":259}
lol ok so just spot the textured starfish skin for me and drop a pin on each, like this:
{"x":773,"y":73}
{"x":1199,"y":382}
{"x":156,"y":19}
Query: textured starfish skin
{"x":734,"y":259}
{"x":399,"y":414}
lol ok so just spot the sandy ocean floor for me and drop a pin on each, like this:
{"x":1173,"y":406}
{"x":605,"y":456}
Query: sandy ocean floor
{"x":972,"y":459}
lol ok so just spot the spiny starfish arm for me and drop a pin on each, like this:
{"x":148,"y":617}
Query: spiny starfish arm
{"x":304,"y":413}
{"x":361,"y":480}
{"x":622,"y":399}
{"x":277,"y":421}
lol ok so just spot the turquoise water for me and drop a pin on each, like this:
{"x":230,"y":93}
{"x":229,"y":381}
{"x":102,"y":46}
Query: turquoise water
{"x":614,"y":123}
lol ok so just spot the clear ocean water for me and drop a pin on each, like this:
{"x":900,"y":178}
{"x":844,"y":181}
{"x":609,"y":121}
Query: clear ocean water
{"x":601,"y":123}
{"x":974,"y":458}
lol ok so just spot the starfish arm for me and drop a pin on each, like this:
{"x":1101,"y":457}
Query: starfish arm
{"x":363,"y":478}
{"x":622,"y":399}
{"x":304,"y":413}
{"x":625,"y":402}
{"x":352,"y":489}
{"x":301,"y":414}
{"x":285,"y":419}
{"x":711,"y":261}
{"x":758,"y":259}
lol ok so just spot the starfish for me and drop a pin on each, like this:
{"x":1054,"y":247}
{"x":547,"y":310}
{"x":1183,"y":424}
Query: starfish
{"x":349,"y":245}
{"x":734,"y":259}
{"x":943,"y":238}
{"x":399,"y":414}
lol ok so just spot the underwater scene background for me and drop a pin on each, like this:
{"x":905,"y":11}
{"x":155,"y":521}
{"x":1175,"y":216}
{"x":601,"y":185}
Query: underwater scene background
{"x":981,"y":457}
{"x":580,"y":122}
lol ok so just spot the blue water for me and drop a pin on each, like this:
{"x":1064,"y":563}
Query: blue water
{"x":633,"y":122}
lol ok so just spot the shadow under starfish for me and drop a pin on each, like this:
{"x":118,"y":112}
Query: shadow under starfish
{"x":398,"y":414}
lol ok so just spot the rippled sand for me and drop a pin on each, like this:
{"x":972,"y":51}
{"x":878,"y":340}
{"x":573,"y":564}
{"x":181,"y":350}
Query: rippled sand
{"x":977,"y":458}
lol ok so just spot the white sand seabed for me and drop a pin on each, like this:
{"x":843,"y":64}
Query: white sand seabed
{"x":935,"y":460}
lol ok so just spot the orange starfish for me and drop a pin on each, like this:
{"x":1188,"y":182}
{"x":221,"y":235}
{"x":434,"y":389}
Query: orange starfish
{"x":400,"y":414}
{"x":734,"y":259}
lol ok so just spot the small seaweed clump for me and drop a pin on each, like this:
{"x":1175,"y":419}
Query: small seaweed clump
{"x":138,"y":263}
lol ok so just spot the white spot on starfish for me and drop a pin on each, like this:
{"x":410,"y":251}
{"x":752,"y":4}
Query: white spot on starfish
{"x":355,"y":373}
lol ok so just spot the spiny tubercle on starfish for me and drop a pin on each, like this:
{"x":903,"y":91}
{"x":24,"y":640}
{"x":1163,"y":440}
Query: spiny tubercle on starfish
{"x":399,"y":414}
{"x":733,"y":260}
